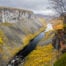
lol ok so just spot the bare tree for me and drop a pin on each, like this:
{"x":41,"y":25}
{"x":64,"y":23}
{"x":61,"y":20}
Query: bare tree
{"x":58,"y":5}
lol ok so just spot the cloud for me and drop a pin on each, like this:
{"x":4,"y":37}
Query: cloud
{"x":35,"y":5}
{"x":29,"y":4}
{"x":46,"y":12}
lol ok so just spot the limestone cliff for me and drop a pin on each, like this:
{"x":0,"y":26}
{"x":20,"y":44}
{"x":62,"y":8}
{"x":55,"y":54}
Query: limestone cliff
{"x":17,"y":28}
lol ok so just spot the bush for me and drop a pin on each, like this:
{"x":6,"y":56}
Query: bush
{"x":61,"y":61}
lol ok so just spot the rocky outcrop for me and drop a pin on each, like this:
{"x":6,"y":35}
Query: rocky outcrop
{"x":13,"y":14}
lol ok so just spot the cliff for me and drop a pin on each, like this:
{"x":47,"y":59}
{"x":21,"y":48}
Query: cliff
{"x":17,"y":28}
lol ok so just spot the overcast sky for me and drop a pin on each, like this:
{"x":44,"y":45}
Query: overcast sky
{"x":38,"y":6}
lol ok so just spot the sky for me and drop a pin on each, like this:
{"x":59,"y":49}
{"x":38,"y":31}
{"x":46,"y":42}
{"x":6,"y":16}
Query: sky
{"x":29,"y":4}
{"x":38,"y":6}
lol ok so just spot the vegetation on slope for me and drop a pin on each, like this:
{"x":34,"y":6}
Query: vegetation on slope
{"x":41,"y":56}
{"x":61,"y":61}
{"x":14,"y":36}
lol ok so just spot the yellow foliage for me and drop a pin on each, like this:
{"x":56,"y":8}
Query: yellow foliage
{"x":6,"y":24}
{"x":60,"y":26}
{"x":1,"y":41}
{"x":40,"y":56}
{"x":1,"y":37}
{"x":26,"y":40}
{"x":57,"y":23}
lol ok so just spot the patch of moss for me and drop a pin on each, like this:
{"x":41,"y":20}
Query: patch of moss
{"x":61,"y":61}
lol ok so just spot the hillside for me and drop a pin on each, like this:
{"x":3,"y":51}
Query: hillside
{"x":44,"y":54}
{"x":16,"y":32}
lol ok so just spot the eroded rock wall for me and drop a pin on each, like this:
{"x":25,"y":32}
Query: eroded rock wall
{"x":17,"y":28}
{"x":13,"y":14}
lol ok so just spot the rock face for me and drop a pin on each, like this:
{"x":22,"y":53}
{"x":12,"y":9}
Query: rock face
{"x":13,"y":14}
{"x":17,"y":28}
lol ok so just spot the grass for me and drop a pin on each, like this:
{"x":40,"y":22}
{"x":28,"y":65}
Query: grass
{"x":6,"y":24}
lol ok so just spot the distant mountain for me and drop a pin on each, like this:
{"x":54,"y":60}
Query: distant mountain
{"x":47,"y":17}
